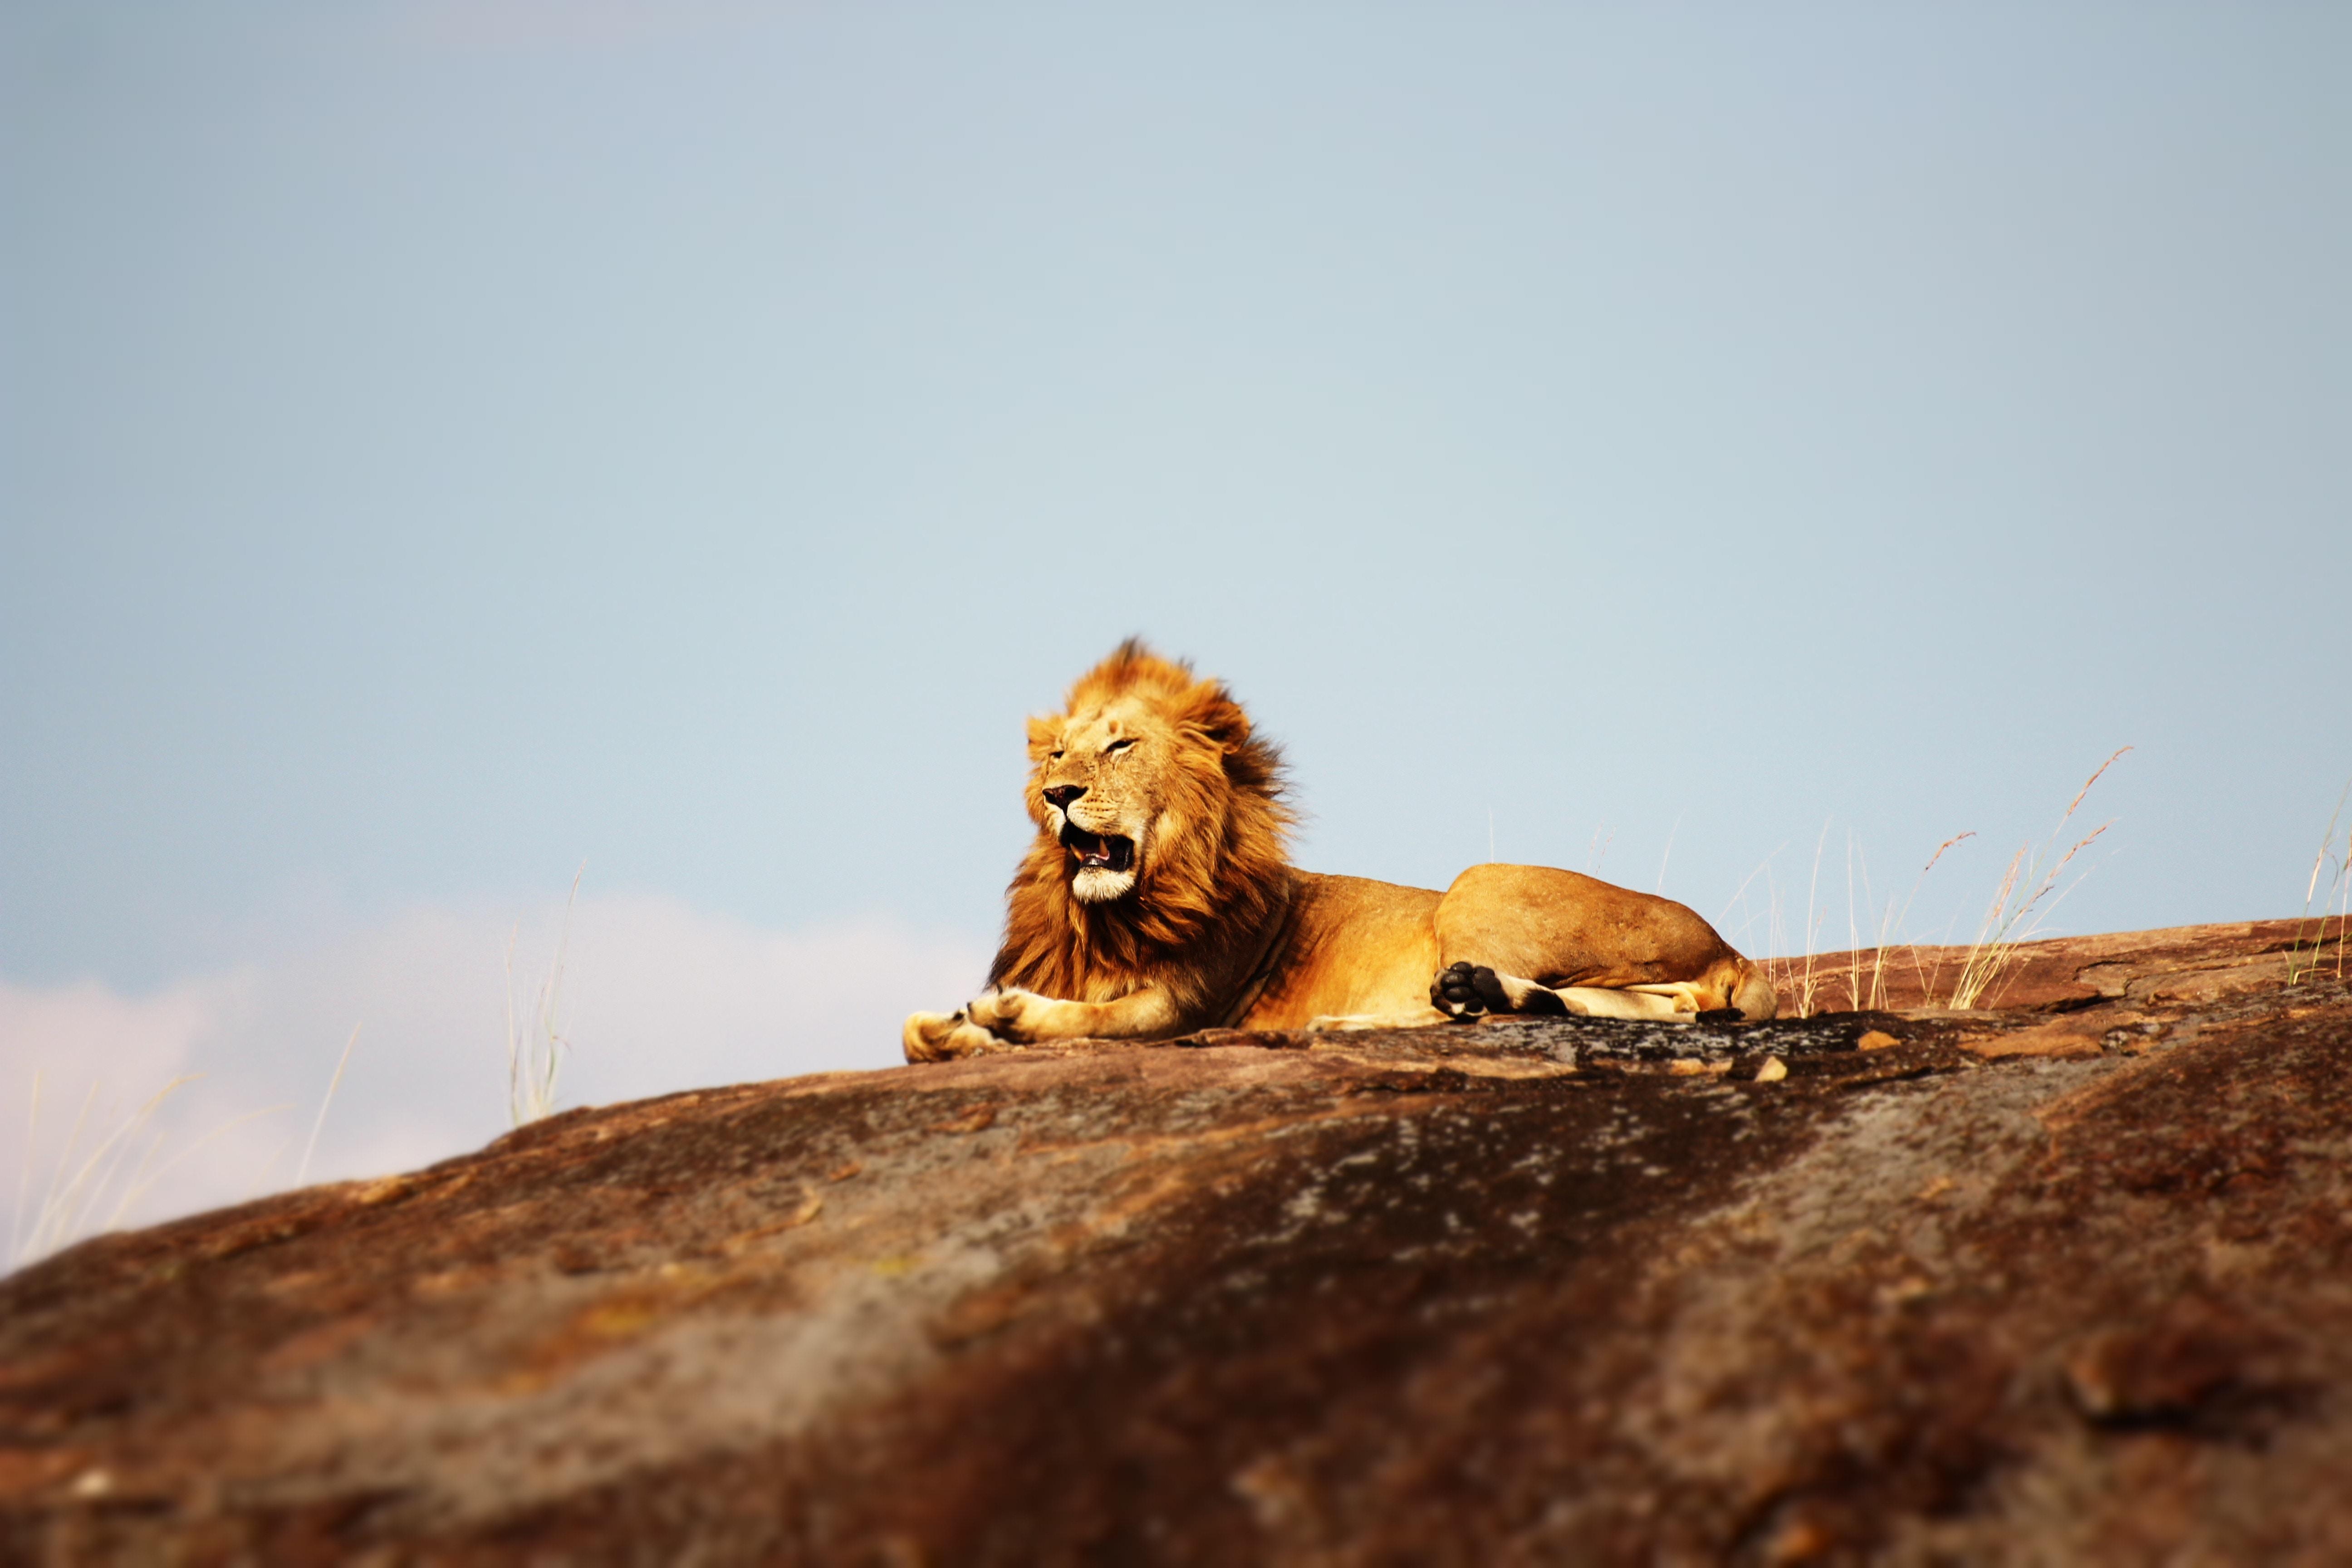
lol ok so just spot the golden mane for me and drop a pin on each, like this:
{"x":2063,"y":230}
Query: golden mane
{"x":1215,"y":882}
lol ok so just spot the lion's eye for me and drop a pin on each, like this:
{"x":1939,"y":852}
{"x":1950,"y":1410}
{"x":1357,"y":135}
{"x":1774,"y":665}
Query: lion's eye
{"x":1117,"y":746}
{"x":1057,"y":756}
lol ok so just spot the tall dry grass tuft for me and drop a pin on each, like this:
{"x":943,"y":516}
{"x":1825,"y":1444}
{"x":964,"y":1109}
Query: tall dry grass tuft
{"x":2018,"y":907}
{"x":535,"y":1057}
{"x":89,"y":1191}
{"x":2298,"y":970}
{"x":1929,"y":974}
{"x":75,"y":1191}
{"x":1868,"y":976}
{"x":1887,"y":922}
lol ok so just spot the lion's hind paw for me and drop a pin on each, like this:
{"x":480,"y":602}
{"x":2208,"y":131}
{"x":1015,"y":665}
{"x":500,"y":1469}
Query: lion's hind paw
{"x":1465,"y":990}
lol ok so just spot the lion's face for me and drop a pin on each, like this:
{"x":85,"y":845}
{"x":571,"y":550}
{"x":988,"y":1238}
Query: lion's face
{"x":1160,"y":838}
{"x":1099,"y":785}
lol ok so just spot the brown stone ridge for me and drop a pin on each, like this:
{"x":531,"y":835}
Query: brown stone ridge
{"x":1886,"y":1287}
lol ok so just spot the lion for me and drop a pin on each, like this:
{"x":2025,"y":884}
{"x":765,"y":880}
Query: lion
{"x":1158,"y":898}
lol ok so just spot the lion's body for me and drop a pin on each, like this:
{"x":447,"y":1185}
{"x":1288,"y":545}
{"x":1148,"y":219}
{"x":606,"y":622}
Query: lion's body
{"x":1362,"y":949}
{"x":1355,"y":948}
{"x":1159,"y":899}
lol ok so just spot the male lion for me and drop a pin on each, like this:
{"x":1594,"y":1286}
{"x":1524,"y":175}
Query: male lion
{"x":1158,"y":898}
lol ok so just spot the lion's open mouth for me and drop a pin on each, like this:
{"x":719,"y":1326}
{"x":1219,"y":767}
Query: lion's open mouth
{"x":1103,"y":851}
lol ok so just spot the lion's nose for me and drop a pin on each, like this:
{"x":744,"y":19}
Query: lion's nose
{"x":1062,"y":794}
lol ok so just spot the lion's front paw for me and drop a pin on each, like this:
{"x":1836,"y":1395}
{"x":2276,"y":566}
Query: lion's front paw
{"x":942,"y":1036}
{"x":1465,"y":990}
{"x":1011,"y":1013}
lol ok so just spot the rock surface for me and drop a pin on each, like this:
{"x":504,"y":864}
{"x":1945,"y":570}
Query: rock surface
{"x":2070,"y":1281}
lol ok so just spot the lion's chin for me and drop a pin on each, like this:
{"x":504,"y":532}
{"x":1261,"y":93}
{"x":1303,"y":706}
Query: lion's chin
{"x":1099,"y":885}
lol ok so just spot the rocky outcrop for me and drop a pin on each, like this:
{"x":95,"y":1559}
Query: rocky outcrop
{"x":2068,"y":1281}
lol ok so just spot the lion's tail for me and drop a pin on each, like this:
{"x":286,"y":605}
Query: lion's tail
{"x":1741,"y":983}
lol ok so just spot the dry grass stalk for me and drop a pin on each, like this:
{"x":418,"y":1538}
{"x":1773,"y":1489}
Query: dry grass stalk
{"x":1738,"y":901}
{"x":302,"y":1172}
{"x":69,"y":1200}
{"x":1852,"y":934}
{"x":1927,"y":975}
{"x":1812,"y":929}
{"x":81,"y":1200}
{"x":2296,"y":969}
{"x":2018,"y":908}
{"x":535,"y":1059}
{"x":1887,"y":924}
{"x":1868,"y":974}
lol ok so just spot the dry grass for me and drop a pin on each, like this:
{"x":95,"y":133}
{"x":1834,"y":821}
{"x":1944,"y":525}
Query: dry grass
{"x":89,"y":1191}
{"x":535,"y":1056}
{"x":1812,"y":927}
{"x":302,"y":1172}
{"x":2339,"y":892}
{"x":1885,"y":936}
{"x":2029,"y":890}
{"x":1868,"y":977}
{"x":81,"y":1184}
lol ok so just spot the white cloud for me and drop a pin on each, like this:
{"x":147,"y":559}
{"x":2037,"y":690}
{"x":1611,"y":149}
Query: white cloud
{"x":656,"y":996}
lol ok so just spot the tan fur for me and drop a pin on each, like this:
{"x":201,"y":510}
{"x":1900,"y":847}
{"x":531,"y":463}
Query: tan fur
{"x":1211,"y":925}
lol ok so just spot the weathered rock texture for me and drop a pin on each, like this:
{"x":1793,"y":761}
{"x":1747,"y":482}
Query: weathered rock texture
{"x":2070,"y":1282}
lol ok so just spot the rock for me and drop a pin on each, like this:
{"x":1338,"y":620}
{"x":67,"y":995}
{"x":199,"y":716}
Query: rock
{"x":2189,"y":962}
{"x":2062,"y":1039}
{"x":1511,"y":1291}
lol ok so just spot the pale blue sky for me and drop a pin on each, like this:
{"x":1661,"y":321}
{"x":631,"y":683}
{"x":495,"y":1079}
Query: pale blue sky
{"x":444,"y":443}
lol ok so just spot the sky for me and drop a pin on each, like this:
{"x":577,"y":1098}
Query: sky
{"x":447,"y":448}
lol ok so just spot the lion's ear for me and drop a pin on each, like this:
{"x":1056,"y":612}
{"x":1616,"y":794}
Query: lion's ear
{"x":1213,"y":712}
{"x":1040,"y":735}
